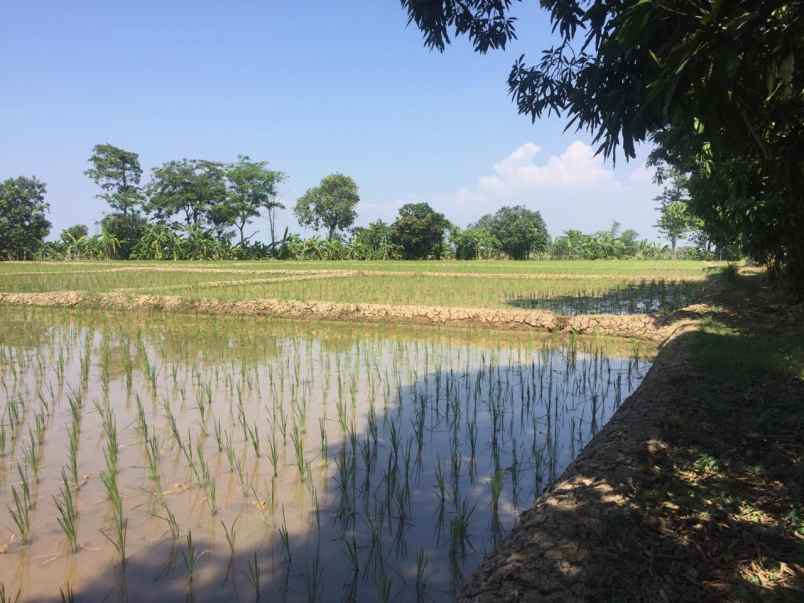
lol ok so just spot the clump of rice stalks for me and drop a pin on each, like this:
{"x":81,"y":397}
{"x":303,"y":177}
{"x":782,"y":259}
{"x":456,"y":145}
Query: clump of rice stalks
{"x":284,"y":538}
{"x":117,"y":534}
{"x":8,"y":598}
{"x":298,"y":447}
{"x":231,"y":536}
{"x":67,"y":513}
{"x":191,"y":559}
{"x":72,"y":454}
{"x":255,"y":576}
{"x":459,"y":529}
{"x":152,"y":454}
{"x":67,"y":596}
{"x":421,"y":576}
{"x":21,"y":514}
{"x":254,"y":438}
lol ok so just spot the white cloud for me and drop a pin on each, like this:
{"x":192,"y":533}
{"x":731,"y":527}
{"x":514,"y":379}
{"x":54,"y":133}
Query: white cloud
{"x":572,"y":189}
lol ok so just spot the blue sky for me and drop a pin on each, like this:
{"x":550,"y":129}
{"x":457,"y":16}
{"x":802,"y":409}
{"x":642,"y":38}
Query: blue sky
{"x":312,"y":87}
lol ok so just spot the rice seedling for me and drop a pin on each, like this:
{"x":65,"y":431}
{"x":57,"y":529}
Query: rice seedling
{"x":117,"y":535}
{"x":31,"y":454}
{"x":231,"y":536}
{"x":459,"y":529}
{"x":191,"y":558}
{"x":422,"y":562}
{"x":152,"y":455}
{"x":313,"y":579}
{"x":284,"y":538}
{"x":298,"y":448}
{"x":515,"y":468}
{"x":67,"y":513}
{"x":218,"y":434}
{"x":67,"y":596}
{"x":384,"y":585}
{"x":170,"y":519}
{"x":352,"y":553}
{"x":8,"y":598}
{"x":323,"y":439}
{"x":211,"y":497}
{"x":255,"y":576}
{"x":254,"y":438}
{"x":21,"y":515}
{"x":39,"y":428}
{"x":496,"y":485}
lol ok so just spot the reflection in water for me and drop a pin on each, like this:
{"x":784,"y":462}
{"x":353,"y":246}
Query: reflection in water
{"x":243,"y":458}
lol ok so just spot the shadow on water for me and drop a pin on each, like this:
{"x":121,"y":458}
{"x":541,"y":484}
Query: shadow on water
{"x":432,"y":459}
{"x":644,"y":297}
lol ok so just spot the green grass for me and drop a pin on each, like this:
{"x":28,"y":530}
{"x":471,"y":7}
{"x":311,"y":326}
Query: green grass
{"x":104,"y":281}
{"x":630,"y":268}
{"x":562,"y":295}
{"x":566,"y":287}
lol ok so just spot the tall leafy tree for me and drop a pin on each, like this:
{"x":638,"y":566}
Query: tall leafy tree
{"x":23,"y":217}
{"x":719,"y":83}
{"x":330,"y":205}
{"x":192,"y":190}
{"x":674,"y":222}
{"x":518,"y":230}
{"x":251,"y":188}
{"x":419,"y":231}
{"x":118,"y":173}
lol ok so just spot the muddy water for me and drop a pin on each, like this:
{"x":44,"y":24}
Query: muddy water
{"x":347,"y":461}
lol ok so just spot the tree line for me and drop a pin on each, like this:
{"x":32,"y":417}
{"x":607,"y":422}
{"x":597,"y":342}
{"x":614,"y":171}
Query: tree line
{"x":199,"y":209}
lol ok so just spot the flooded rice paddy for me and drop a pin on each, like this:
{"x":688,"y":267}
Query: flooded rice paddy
{"x":149,"y":457}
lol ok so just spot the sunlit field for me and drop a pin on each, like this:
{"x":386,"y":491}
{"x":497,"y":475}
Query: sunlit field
{"x":619,"y":287}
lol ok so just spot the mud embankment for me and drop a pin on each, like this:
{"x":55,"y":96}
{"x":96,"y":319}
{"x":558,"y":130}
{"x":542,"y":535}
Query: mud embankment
{"x":638,"y":326}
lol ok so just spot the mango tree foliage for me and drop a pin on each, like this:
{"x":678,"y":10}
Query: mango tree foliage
{"x":518,"y":231}
{"x":419,"y":231}
{"x":719,"y":83}
{"x":23,"y":218}
{"x":330,"y":205}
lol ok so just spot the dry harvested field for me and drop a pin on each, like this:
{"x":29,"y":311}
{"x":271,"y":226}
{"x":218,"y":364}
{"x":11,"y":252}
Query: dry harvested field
{"x":218,"y":449}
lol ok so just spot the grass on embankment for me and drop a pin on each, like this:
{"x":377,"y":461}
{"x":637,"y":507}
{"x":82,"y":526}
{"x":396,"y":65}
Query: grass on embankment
{"x":731,"y":489}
